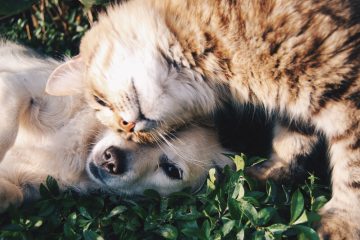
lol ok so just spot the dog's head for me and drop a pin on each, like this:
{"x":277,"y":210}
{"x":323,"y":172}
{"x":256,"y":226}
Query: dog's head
{"x":128,"y":168}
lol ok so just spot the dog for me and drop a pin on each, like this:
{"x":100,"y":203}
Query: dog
{"x":43,"y":135}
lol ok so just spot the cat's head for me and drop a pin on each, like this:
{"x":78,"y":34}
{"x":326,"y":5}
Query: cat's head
{"x":134,"y":74}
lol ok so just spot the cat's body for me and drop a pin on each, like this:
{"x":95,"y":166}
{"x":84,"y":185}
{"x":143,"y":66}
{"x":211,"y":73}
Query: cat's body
{"x":156,"y":64}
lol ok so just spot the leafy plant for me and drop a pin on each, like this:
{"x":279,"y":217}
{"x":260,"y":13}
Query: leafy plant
{"x":54,"y":27}
{"x":231,"y":207}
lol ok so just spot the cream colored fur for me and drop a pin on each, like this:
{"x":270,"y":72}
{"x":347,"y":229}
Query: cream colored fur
{"x":44,"y":135}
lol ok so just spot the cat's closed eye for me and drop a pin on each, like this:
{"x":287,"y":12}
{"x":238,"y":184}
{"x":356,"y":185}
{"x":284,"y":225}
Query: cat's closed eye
{"x":100,"y":101}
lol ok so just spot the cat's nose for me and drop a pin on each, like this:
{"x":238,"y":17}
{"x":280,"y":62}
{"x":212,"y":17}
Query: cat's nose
{"x":113,"y":160}
{"x":127,"y":126}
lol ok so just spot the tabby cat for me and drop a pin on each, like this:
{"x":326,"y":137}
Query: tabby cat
{"x":152,"y":65}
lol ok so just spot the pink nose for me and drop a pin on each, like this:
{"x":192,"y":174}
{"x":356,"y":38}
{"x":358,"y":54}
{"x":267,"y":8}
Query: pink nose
{"x":127,"y":126}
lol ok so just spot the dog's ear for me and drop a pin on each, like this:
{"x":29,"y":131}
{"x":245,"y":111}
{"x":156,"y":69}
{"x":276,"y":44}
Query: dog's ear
{"x":67,"y":79}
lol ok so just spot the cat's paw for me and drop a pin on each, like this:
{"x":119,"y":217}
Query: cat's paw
{"x":336,"y":224}
{"x":277,"y":168}
{"x":267,"y":170}
{"x":10,"y":194}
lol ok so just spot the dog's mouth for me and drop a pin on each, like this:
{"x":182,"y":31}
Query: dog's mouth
{"x":98,"y":173}
{"x":107,"y":180}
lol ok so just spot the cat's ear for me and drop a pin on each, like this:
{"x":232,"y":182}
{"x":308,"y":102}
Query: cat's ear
{"x":67,"y":79}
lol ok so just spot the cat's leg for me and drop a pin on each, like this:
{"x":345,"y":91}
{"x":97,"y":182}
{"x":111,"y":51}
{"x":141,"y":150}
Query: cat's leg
{"x":14,"y":99}
{"x":341,"y":215}
{"x":289,"y":145}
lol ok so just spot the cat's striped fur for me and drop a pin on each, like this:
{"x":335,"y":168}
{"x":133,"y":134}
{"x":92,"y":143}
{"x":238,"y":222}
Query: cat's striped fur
{"x":157,"y":63}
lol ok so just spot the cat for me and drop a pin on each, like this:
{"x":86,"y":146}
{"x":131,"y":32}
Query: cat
{"x":149,"y":66}
{"x":60,"y":136}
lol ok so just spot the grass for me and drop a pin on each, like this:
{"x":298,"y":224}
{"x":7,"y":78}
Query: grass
{"x":231,"y":207}
{"x":53,"y":27}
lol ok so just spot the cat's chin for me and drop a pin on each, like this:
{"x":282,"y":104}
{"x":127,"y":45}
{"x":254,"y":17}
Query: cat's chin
{"x":155,"y":135}
{"x":152,"y":136}
{"x":144,"y":137}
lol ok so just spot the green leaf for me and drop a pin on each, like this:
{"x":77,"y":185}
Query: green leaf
{"x":212,"y":175}
{"x":255,"y":194}
{"x":84,"y":213}
{"x":239,"y":191}
{"x":234,"y":209}
{"x":271,"y":191}
{"x":191,"y":232}
{"x":237,"y":208}
{"x":287,"y":192}
{"x":307,"y":231}
{"x":249,"y":211}
{"x":241,"y":235}
{"x":227,"y":227}
{"x":312,"y":179}
{"x":239,"y":162}
{"x":265,"y":215}
{"x":255,"y":160}
{"x":91,"y":235}
{"x":313,"y":217}
{"x":38,"y":223}
{"x":318,"y":203}
{"x":139,"y":211}
{"x":277,"y":228}
{"x":302,"y":219}
{"x":116,"y":211}
{"x":211,"y":179}
{"x":297,"y":206}
{"x":187,"y":214}
{"x":69,"y":232}
{"x":89,"y":3}
{"x":150,"y":193}
{"x":52,"y":185}
{"x":258,"y":235}
{"x":46,"y":209}
{"x":44,"y":192}
{"x":168,"y":232}
{"x":205,"y":230}
{"x":72,"y":218}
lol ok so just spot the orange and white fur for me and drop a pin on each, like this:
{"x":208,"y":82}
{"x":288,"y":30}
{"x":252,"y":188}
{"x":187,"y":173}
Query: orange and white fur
{"x":44,"y":135}
{"x":151,"y":65}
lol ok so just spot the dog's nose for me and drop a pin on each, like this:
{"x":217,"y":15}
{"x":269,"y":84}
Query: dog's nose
{"x":113,"y":160}
{"x":127,"y":126}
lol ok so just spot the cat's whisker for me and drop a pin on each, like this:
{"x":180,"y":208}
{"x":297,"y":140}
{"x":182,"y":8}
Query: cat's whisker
{"x":183,"y":155}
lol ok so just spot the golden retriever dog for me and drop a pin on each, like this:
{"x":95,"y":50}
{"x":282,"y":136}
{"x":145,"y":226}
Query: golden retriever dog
{"x":43,"y":135}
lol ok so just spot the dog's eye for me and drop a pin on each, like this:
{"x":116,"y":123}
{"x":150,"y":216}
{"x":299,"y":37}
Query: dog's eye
{"x":99,"y":101}
{"x":170,"y":169}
